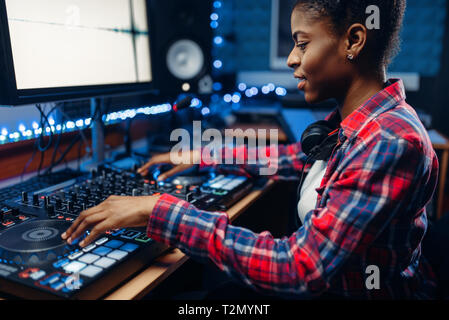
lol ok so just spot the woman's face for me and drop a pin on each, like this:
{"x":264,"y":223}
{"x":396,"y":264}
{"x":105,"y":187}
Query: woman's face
{"x":318,"y":58}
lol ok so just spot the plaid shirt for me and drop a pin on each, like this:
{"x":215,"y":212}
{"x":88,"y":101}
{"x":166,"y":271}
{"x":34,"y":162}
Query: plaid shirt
{"x":370,"y":211}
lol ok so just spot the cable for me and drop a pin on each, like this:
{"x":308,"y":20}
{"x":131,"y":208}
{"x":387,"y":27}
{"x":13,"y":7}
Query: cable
{"x":43,"y":120}
{"x":96,"y":116}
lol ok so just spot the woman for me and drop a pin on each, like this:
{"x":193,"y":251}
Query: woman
{"x":365,"y":203}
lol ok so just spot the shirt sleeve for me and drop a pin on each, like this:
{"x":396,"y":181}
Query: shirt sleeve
{"x":376,"y":185}
{"x":280,"y":162}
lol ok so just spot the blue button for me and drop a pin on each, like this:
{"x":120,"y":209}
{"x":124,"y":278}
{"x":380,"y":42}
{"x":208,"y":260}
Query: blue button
{"x":50,"y":279}
{"x":57,"y":286}
{"x":114,"y":244}
{"x":130,"y":247}
{"x":61,"y":263}
{"x":116,"y":233}
{"x":102,"y":251}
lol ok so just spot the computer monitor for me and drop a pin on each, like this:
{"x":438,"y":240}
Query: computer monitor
{"x":58,"y":50}
{"x":281,"y":36}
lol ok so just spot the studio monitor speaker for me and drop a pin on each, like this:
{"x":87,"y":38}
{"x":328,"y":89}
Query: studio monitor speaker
{"x":181,"y":46}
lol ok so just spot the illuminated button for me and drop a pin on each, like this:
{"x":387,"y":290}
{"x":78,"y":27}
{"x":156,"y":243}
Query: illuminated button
{"x":90,"y":271}
{"x":117,"y":232}
{"x":37,"y":275}
{"x":220,"y":192}
{"x":143,"y":238}
{"x":114,"y":244}
{"x":89,"y":258}
{"x":101,"y":241}
{"x":74,"y":267}
{"x":57,"y":286}
{"x":129,"y":247}
{"x":117,"y":254}
{"x":130,"y":234}
{"x":102,"y":251}
{"x":61,"y":263}
{"x":50,"y":279}
{"x":75,"y":255}
{"x":90,"y":247}
{"x":8,"y":223}
{"x":104,"y":262}
{"x":179,"y":187}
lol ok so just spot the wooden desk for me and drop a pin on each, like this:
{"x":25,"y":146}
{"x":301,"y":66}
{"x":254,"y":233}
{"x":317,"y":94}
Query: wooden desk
{"x":165,"y":265}
{"x":440,"y":142}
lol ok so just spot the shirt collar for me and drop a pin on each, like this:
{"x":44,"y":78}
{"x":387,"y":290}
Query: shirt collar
{"x":388,"y":98}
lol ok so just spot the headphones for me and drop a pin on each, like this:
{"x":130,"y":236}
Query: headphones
{"x":319,"y":140}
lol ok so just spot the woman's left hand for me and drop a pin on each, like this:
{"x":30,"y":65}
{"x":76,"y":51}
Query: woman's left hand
{"x":115,"y":212}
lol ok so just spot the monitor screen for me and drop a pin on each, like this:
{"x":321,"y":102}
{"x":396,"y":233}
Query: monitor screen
{"x":281,"y":36}
{"x":78,"y":43}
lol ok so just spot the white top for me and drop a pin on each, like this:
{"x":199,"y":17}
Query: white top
{"x":309,"y":195}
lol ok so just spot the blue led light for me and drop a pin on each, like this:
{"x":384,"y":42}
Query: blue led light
{"x":217,"y":86}
{"x":214,"y":17}
{"x":265,"y":90}
{"x":254,"y":91}
{"x":205,"y":111}
{"x":227,"y":98}
{"x":196,"y":103}
{"x":22,"y":127}
{"x":281,"y":91}
{"x":217,"y":4}
{"x":214,"y":24}
{"x":218,"y":40}
{"x":70,"y":125}
{"x":218,"y":64}
{"x":4,"y":132}
{"x":242,"y":86}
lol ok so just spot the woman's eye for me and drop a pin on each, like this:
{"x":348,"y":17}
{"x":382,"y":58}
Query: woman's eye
{"x":302,"y":45}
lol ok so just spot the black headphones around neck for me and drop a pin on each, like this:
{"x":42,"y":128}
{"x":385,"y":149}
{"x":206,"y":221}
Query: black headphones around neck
{"x":319,"y":140}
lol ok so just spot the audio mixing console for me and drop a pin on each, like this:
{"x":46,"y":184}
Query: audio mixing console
{"x":36,"y":263}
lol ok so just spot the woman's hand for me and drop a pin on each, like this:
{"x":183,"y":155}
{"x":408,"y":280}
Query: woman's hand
{"x":115,"y":212}
{"x":188,"y":161}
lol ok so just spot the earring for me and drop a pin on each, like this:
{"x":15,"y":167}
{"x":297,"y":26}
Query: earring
{"x":350,"y":57}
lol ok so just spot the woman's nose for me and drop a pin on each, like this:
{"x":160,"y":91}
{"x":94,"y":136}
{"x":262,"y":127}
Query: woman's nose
{"x":293,"y":60}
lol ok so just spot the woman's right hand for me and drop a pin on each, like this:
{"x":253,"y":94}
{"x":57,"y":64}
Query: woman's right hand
{"x":188,"y":161}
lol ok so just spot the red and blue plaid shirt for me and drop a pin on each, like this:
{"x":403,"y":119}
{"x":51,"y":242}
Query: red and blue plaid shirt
{"x":370,"y":211}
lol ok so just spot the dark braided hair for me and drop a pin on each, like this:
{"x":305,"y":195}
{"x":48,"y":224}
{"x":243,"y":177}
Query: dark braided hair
{"x":382,"y":43}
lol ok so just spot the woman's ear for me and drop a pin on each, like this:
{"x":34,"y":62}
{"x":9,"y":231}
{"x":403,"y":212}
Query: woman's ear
{"x":355,"y":40}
